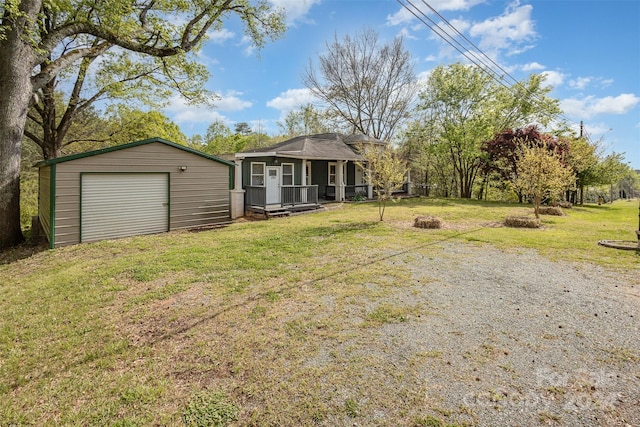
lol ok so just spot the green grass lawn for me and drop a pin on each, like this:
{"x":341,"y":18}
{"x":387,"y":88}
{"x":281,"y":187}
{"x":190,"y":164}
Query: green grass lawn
{"x":185,"y":327}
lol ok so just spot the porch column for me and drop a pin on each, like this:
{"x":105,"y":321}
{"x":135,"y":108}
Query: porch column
{"x":409,"y":190}
{"x":369,"y":186}
{"x":304,"y":172}
{"x":339,"y":181}
{"x":237,"y":194}
{"x":238,"y":175}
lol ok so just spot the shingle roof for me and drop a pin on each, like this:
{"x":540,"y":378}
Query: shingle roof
{"x":325,"y":146}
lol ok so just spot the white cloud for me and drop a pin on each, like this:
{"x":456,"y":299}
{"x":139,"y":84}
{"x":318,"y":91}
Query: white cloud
{"x":580,"y":83}
{"x":620,"y":104}
{"x":422,"y":79}
{"x":249,"y":47}
{"x":205,"y":59}
{"x":404,"y":15}
{"x":291,"y":99}
{"x":220,"y":36}
{"x":230,"y":101}
{"x":295,"y":10}
{"x":512,"y":31}
{"x":553,"y":78}
{"x":533,"y":66}
{"x":460,"y":24}
{"x":591,"y":106}
{"x":182,"y":112}
{"x":595,"y":130}
{"x":405,"y":34}
{"x":606,"y":82}
{"x":440,"y":5}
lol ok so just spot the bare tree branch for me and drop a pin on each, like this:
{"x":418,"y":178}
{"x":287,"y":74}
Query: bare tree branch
{"x":370,"y":86}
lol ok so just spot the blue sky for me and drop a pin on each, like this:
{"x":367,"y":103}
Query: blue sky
{"x":589,"y":50}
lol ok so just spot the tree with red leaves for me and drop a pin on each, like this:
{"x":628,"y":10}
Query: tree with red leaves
{"x":501,"y":154}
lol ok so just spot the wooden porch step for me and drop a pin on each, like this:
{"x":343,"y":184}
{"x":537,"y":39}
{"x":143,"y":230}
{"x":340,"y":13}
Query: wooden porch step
{"x":276,"y":213}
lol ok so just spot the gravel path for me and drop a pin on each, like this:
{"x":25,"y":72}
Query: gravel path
{"x":513,"y":339}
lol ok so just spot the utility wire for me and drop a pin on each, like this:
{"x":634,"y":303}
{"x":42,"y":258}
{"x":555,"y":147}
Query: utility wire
{"x":473,"y":45}
{"x":453,"y":42}
{"x":471,"y":51}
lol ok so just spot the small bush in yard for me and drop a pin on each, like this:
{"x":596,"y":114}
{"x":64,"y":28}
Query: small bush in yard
{"x":427,"y":222}
{"x":550,"y":210}
{"x":209,"y":408}
{"x":522,"y":222}
{"x":565,"y":205}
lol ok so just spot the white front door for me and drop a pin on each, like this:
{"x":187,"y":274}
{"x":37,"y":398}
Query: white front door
{"x":359,"y":175}
{"x":273,"y":184}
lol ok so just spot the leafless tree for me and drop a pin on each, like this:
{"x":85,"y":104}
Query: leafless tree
{"x":369,"y":85}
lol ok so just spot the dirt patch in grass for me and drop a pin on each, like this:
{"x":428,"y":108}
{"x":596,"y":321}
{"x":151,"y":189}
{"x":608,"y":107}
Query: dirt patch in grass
{"x":22,"y":251}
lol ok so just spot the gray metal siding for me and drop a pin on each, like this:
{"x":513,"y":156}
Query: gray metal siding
{"x":199,"y":196}
{"x":44,"y":200}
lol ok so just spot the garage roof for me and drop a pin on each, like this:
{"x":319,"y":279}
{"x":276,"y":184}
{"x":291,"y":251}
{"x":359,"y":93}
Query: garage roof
{"x":129,"y":145}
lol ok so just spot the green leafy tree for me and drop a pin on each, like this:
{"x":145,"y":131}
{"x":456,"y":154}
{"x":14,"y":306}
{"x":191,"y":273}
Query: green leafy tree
{"x":243,"y":128}
{"x":541,"y":174}
{"x":470,"y":108}
{"x":119,"y":76}
{"x":306,"y":120}
{"x":218,"y":139}
{"x":384,"y":171}
{"x":428,"y":157}
{"x":583,"y":159}
{"x":611,"y":170}
{"x":42,"y":40}
{"x":458,"y":98}
{"x":129,"y":124}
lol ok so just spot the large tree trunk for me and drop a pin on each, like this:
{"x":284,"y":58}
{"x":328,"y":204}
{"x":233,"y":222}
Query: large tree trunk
{"x":15,"y":94}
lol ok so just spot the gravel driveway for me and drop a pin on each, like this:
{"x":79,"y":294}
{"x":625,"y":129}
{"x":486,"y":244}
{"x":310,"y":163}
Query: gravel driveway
{"x":513,"y":339}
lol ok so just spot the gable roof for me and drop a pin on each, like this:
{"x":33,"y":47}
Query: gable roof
{"x":324,"y":146}
{"x":130,"y":145}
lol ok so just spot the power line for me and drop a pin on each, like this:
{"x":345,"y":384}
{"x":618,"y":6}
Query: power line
{"x":453,"y":42}
{"x":471,"y":52}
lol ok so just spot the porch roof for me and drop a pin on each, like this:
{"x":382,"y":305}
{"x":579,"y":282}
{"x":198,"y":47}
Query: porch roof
{"x":326,"y":146}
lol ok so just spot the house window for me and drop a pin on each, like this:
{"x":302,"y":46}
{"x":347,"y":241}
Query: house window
{"x":333,"y":167}
{"x":287,"y":174}
{"x":307,"y":171}
{"x":257,"y":174}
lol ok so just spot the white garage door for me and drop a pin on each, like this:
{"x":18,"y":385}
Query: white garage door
{"x":122,"y":204}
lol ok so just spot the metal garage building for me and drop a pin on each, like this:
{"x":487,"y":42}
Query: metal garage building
{"x":144,"y":187}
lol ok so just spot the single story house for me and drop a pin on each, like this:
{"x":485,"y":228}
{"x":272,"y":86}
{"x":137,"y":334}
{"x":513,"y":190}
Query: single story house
{"x":295,"y":174}
{"x":143,"y":187}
